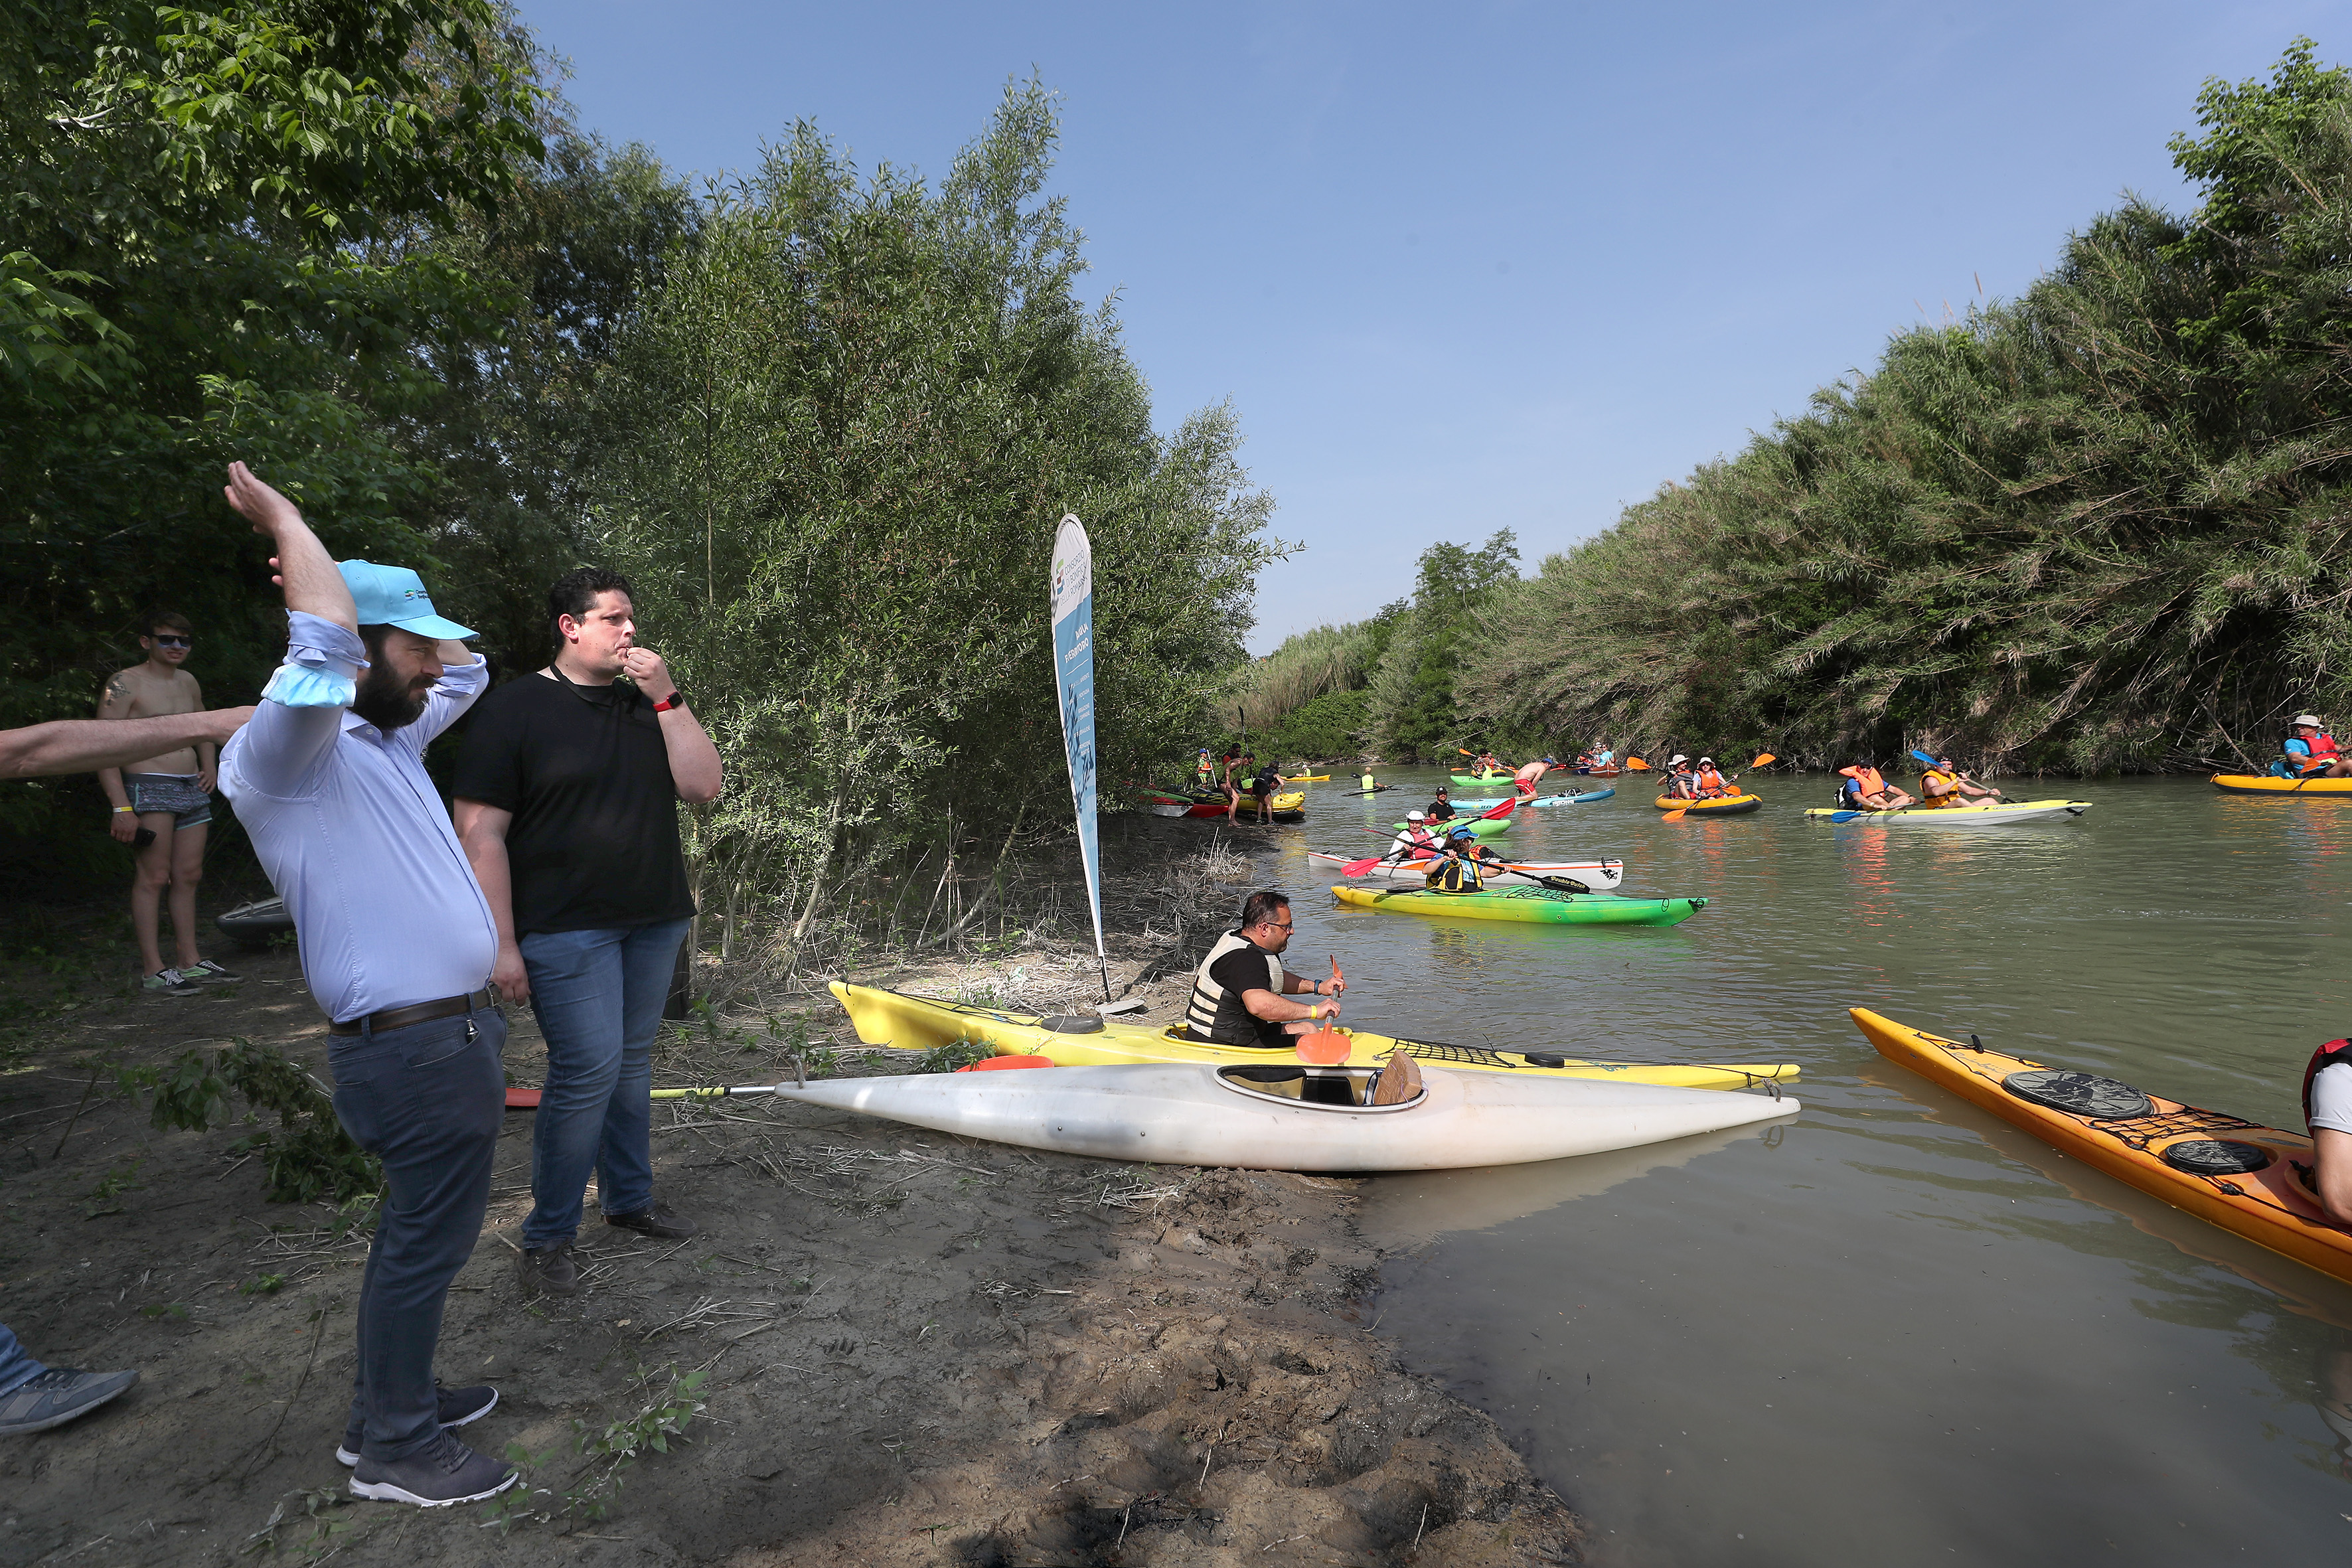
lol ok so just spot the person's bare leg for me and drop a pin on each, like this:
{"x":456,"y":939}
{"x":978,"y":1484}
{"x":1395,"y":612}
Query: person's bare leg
{"x":187,"y":871}
{"x":151,"y":872}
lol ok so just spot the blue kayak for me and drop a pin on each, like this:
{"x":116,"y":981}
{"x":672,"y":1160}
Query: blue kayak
{"x":1539,"y":800}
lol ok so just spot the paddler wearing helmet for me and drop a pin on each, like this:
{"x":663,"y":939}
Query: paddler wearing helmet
{"x":1240,"y":992}
{"x":2310,"y":751}
{"x":1866,"y":789}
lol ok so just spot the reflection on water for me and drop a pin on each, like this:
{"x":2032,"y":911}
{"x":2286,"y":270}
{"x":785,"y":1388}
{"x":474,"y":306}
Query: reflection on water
{"x":1900,"y":1331}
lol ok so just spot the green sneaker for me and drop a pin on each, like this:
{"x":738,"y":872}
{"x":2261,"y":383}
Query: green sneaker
{"x":166,"y":983}
{"x":205,"y":971}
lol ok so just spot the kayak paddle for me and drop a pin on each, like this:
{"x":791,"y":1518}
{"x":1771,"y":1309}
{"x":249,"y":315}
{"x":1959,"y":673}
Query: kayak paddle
{"x":1634,"y":765}
{"x":1324,"y":1048}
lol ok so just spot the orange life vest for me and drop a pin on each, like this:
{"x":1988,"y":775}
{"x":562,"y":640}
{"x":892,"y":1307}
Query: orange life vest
{"x":1871,"y":779}
{"x":2323,"y":746}
{"x":1710,"y":782}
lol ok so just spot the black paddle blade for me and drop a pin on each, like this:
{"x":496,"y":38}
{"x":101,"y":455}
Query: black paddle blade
{"x":1563,"y":884}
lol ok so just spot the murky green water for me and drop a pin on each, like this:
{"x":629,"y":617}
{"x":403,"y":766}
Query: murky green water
{"x":1894,"y":1330}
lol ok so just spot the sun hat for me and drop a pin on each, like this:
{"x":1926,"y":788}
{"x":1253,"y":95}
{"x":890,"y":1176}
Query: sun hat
{"x":1677,"y":757}
{"x":2310,"y":719}
{"x":1706,"y":759}
{"x":395,"y":597}
{"x":1414,"y":817}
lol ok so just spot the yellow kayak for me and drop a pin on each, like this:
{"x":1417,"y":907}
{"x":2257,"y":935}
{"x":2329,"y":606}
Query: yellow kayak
{"x":920,"y":1023}
{"x":2264,"y":784}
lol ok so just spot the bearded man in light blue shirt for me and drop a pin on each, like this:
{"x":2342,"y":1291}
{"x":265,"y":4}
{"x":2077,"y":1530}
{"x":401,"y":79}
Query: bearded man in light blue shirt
{"x":397,"y":944}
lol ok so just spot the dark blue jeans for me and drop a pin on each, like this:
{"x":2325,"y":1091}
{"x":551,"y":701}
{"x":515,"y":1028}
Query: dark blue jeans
{"x":16,"y":1368}
{"x":598,"y":996}
{"x":426,"y":1100}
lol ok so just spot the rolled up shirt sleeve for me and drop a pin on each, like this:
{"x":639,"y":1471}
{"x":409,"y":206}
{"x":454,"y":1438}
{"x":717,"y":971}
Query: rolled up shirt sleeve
{"x":301,"y":710}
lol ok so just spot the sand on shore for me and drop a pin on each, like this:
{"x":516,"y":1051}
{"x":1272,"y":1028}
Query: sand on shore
{"x":906,"y":1348}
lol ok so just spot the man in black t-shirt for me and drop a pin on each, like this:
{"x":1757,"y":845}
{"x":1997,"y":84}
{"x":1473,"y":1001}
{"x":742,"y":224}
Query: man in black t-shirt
{"x":566,"y":801}
{"x":1238,"y":990}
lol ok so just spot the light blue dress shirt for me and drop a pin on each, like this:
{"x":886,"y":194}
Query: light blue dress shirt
{"x":353,"y":834}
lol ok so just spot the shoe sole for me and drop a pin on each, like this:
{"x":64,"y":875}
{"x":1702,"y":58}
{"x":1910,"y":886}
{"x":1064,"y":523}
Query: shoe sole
{"x":384,"y":1491}
{"x":24,"y":1428}
{"x":350,"y":1460}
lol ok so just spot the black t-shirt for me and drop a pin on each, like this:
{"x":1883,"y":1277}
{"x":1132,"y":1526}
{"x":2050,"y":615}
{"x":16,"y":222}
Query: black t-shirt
{"x":1246,"y":969}
{"x":594,"y":844}
{"x":1439,"y":811}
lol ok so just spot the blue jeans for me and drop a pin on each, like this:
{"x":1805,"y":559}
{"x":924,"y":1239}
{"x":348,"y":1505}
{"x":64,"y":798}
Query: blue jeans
{"x":16,"y":1368}
{"x":598,"y":996}
{"x":426,"y":1100}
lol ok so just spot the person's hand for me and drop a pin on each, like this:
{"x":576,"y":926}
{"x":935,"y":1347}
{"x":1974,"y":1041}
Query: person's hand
{"x":204,"y":776}
{"x":257,"y":503}
{"x":123,"y":825}
{"x":225,"y":722}
{"x":644,"y":667}
{"x":1338,"y":986}
{"x":512,"y":980}
{"x":1325,"y":1010}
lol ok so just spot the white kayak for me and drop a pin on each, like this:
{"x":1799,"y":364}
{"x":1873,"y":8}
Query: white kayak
{"x":1259,"y":1116}
{"x":1999,"y":813}
{"x":1600,"y":876}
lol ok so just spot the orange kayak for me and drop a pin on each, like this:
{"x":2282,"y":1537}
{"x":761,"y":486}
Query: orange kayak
{"x":2241,"y":1175}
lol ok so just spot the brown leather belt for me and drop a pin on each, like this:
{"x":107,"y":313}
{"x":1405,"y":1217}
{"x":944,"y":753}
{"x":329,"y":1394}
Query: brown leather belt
{"x":415,"y":1012}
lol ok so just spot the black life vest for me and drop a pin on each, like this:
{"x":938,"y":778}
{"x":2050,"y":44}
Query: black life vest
{"x":2333,"y":1053}
{"x":1454,"y":874}
{"x":1216,"y":1016}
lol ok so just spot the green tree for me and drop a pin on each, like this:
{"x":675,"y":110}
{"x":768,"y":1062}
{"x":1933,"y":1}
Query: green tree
{"x":1412,"y":711}
{"x":838,"y":443}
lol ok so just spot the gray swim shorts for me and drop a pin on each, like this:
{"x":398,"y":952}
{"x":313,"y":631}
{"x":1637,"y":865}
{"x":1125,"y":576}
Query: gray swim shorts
{"x":174,"y":793}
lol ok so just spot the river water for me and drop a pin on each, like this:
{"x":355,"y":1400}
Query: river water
{"x":1893,"y":1329}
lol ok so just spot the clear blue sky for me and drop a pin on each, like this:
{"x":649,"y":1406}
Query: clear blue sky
{"x":1483,"y":266}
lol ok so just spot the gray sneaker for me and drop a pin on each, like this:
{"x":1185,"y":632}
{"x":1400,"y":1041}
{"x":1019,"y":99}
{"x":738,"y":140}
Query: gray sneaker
{"x":442,"y":1472}
{"x":551,"y":1269}
{"x":166,"y":983}
{"x":459,"y":1407}
{"x":56,"y":1396}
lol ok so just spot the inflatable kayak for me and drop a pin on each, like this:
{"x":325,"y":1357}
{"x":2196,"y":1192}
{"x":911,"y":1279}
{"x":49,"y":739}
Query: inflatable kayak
{"x":2264,"y":784}
{"x":1600,"y":876}
{"x":2241,"y":1175}
{"x":1723,"y":805}
{"x":920,"y":1023}
{"x":1994,"y":815}
{"x":1536,"y":906}
{"x":1288,"y":1116}
{"x":1539,"y":800}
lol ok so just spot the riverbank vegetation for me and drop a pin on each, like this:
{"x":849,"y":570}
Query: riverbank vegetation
{"x":827,"y":417}
{"x":2100,"y":526}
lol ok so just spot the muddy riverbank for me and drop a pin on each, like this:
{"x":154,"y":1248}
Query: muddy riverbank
{"x":884,"y":1347}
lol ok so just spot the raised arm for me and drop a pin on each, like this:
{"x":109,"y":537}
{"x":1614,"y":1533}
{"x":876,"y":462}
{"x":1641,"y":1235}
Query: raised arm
{"x":693,"y":759}
{"x":85,"y":745}
{"x":303,"y":706}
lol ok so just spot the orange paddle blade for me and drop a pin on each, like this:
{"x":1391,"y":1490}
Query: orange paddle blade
{"x":1764,"y":761}
{"x":1673,"y":815}
{"x":1336,"y":980}
{"x":1636,"y":766}
{"x":1325,"y":1047}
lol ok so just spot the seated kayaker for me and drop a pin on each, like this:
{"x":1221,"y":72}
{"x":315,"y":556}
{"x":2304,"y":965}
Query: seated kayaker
{"x":1415,"y":840}
{"x":1679,"y":785}
{"x":1707,"y":782}
{"x":1486,"y":763}
{"x":2327,"y":1108}
{"x":1945,"y":785}
{"x":1239,"y":990}
{"x":1866,"y":789}
{"x":1441,"y":809}
{"x":2311,"y":752}
{"x":1456,"y":870}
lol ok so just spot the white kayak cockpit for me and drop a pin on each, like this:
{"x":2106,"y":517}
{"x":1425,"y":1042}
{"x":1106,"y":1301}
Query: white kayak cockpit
{"x":1314,"y":1087}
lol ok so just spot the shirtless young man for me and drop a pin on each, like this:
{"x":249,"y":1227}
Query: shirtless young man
{"x":168,"y":796}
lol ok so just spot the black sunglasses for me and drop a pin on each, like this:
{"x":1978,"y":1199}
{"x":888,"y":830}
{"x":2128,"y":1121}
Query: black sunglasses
{"x":164,"y":640}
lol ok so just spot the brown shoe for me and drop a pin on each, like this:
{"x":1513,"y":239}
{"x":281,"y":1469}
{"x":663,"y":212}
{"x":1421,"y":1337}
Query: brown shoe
{"x":551,"y":1269}
{"x":657,"y":1222}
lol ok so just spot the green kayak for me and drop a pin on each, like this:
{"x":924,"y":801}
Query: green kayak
{"x":1477,"y":824}
{"x":1541,"y":906}
{"x":1483,"y":778}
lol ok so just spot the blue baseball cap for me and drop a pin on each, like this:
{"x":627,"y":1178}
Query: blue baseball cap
{"x":395,"y":597}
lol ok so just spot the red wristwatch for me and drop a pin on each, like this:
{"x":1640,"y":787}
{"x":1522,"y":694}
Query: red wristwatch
{"x":676,"y":698}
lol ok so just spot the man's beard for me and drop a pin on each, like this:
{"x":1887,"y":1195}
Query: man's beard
{"x":385,"y":701}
